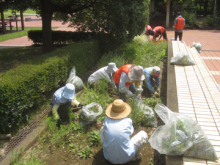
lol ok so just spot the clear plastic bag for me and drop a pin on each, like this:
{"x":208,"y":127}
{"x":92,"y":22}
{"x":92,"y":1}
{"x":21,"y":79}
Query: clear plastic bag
{"x":150,"y":118}
{"x":75,"y":80}
{"x":180,"y":135}
{"x":182,"y":58}
{"x":90,"y":113}
{"x":198,"y":46}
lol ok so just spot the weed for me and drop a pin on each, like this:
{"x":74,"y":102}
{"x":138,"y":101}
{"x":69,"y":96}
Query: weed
{"x":85,"y":152}
{"x":94,"y":138}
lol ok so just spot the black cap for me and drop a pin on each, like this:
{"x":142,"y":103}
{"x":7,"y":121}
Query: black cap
{"x":178,"y":13}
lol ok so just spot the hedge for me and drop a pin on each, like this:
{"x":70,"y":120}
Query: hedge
{"x":25,"y":86}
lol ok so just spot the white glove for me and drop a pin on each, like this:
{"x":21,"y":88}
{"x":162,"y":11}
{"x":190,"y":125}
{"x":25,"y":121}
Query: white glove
{"x":139,"y":89}
{"x":54,"y":112}
{"x":123,"y":90}
{"x":75,"y":103}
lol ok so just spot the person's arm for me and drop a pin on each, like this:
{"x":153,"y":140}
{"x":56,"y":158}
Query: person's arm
{"x":160,"y":36}
{"x":174,"y":24}
{"x":122,"y":87}
{"x":157,"y":82}
{"x":148,"y":83}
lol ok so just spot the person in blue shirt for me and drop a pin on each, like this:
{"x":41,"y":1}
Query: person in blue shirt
{"x":62,"y":96}
{"x":152,"y":77}
{"x":115,"y":134}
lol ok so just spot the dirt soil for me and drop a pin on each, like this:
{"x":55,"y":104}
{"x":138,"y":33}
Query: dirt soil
{"x":62,"y":156}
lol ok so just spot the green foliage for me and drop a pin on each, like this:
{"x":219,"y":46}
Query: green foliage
{"x":94,"y":138}
{"x":190,"y":17}
{"x":123,"y":19}
{"x":85,"y":152}
{"x":99,"y":94}
{"x":18,"y":159}
{"x":212,"y":21}
{"x":25,"y":86}
{"x":139,"y":52}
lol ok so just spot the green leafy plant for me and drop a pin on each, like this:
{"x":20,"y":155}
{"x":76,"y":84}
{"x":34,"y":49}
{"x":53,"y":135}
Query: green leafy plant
{"x":94,"y":138}
{"x":85,"y":152}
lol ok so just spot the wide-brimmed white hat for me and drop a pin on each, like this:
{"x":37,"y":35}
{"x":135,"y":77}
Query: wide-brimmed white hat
{"x":111,"y":68}
{"x":156,"y":71}
{"x":136,"y":73}
{"x":68,"y":91}
{"x":118,"y":109}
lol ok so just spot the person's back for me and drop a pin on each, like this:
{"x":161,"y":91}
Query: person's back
{"x":117,"y":147}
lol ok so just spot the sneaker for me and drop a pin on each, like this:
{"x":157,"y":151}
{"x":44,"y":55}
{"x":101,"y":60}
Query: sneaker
{"x":137,"y":157}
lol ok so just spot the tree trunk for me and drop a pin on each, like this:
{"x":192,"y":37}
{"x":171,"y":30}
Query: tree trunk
{"x":46,"y":26}
{"x":205,"y":7}
{"x":3,"y":22}
{"x":22,"y":20}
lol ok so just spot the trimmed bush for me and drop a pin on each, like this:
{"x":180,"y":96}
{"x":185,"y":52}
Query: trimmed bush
{"x":25,"y":86}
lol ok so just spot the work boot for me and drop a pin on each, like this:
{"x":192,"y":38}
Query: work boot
{"x":137,"y":157}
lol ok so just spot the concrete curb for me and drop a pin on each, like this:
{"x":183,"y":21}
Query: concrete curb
{"x":25,"y":144}
{"x":172,"y":101}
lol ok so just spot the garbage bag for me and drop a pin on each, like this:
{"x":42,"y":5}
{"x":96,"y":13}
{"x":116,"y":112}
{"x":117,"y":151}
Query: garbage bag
{"x":90,"y":113}
{"x":149,"y":118}
{"x":198,"y":46}
{"x":180,"y":135}
{"x":182,"y":58}
{"x":75,"y":80}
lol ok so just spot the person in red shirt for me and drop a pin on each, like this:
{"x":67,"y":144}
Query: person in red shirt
{"x":179,"y":24}
{"x":148,"y":31}
{"x":159,"y":31}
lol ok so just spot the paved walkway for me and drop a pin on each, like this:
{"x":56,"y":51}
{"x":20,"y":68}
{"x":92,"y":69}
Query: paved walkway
{"x":198,"y":97}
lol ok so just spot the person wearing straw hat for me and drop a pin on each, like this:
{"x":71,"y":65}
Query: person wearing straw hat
{"x":103,"y":73}
{"x":152,"y":79}
{"x":129,"y":77}
{"x":62,"y":96}
{"x":115,"y":134}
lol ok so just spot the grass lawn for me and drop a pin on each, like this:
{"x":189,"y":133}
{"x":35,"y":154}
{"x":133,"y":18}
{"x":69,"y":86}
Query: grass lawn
{"x":28,"y":12}
{"x":19,"y":33}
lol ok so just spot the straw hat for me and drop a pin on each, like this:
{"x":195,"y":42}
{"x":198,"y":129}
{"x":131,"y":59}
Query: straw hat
{"x":68,"y":91}
{"x":156,"y":71}
{"x":111,"y":68}
{"x":136,"y":73}
{"x":118,"y":109}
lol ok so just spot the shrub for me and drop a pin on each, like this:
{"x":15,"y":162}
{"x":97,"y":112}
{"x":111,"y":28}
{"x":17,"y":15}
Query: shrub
{"x":25,"y":86}
{"x":190,"y":17}
{"x":212,"y":21}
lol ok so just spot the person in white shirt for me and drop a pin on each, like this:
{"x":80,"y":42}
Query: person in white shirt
{"x":103,"y":73}
{"x":115,"y":134}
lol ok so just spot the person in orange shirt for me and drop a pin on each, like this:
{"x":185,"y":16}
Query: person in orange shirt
{"x":159,"y":31}
{"x":179,"y":24}
{"x":129,"y":77}
{"x":148,"y":31}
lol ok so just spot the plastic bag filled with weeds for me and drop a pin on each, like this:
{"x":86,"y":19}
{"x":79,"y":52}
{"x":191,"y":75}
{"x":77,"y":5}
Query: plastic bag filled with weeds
{"x":182,"y":58}
{"x":75,"y":80}
{"x":144,"y":113}
{"x":90,"y":113}
{"x":180,"y":135}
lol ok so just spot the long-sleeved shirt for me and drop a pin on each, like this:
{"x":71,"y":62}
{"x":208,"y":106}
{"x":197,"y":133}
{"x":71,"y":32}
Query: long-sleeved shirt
{"x":57,"y":98}
{"x":100,"y":74}
{"x":149,"y":76}
{"x":117,"y":147}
